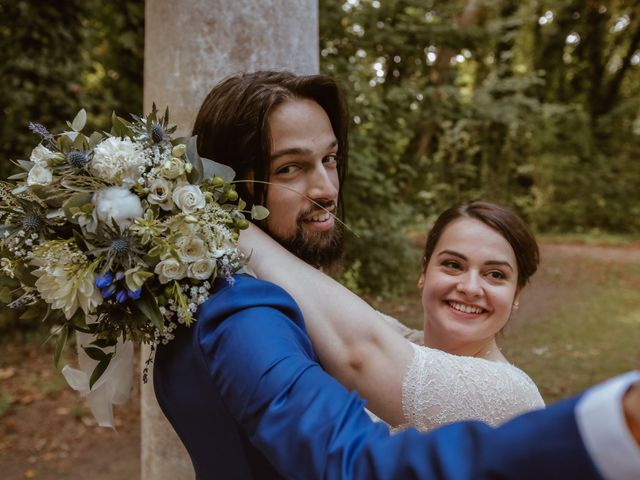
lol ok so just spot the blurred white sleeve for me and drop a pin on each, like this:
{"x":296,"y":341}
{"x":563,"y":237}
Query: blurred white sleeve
{"x":604,"y":430}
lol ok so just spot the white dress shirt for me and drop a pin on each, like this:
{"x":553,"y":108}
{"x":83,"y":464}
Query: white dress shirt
{"x":604,"y":431}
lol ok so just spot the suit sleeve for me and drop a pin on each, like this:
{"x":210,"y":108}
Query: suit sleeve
{"x":309,"y":426}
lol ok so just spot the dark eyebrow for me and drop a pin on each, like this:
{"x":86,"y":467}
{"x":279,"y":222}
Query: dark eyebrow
{"x":488,"y":262}
{"x":298,"y":151}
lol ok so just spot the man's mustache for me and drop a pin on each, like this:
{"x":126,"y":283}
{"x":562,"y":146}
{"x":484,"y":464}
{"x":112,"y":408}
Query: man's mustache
{"x":328,"y":204}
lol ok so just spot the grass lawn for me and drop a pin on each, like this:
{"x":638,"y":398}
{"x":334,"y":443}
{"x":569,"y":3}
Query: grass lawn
{"x":590,"y":332}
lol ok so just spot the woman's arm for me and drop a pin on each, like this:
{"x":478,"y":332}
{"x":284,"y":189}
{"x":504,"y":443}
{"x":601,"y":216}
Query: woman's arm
{"x":353,"y":343}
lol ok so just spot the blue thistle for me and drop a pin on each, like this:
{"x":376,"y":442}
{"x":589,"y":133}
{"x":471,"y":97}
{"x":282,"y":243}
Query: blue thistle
{"x":32,"y":222}
{"x":77,"y":158}
{"x":119,"y":246}
{"x":157,"y":132}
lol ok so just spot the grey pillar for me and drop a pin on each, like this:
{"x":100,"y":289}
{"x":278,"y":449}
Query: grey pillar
{"x":190,"y":45}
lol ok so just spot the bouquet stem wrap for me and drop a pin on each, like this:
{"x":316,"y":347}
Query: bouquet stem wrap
{"x":114,"y":385}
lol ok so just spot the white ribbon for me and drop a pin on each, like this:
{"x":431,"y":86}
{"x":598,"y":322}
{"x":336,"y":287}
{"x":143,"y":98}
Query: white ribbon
{"x":112,"y":388}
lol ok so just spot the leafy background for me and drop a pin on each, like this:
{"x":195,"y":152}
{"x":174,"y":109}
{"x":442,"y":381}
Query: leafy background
{"x":532,"y":104}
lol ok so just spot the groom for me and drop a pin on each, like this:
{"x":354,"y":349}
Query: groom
{"x":243,"y":388}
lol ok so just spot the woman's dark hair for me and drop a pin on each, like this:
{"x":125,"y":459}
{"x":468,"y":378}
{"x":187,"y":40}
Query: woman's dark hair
{"x":232,"y":125}
{"x":502,"y":220}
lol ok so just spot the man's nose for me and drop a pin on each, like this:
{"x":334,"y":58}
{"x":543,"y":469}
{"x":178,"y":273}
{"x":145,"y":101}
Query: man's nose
{"x":322,"y":184}
{"x":470,"y":284}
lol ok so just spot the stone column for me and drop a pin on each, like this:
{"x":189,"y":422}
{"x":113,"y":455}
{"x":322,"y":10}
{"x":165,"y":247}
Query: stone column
{"x":190,"y":45}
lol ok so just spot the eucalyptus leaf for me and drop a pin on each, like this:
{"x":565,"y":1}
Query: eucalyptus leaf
{"x":79,"y":121}
{"x":64,"y":143}
{"x":31,"y":313}
{"x":71,"y":136}
{"x":60,"y":344}
{"x":95,"y":139}
{"x":55,"y":214}
{"x":5,"y":294}
{"x":95,"y":353}
{"x":80,"y":241}
{"x":24,"y":164}
{"x":18,"y":176}
{"x":98,"y":371}
{"x":197,"y":172}
{"x":7,"y":228}
{"x":20,"y":189}
{"x":80,"y":142}
{"x":148,"y":306}
{"x":104,"y":342}
{"x":77,"y":201}
{"x":212,"y":169}
{"x":120,"y":127}
{"x":258,"y":212}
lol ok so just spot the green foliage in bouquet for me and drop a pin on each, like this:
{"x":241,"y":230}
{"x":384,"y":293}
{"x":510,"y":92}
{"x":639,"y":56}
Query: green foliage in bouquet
{"x":119,"y":235}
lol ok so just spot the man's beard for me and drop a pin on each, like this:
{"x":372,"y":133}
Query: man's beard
{"x":320,"y":249}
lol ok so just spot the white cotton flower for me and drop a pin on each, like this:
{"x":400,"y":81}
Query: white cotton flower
{"x":117,"y":160}
{"x":191,"y":248}
{"x":160,"y":194}
{"x":170,"y":269}
{"x":39,"y":175}
{"x":40,"y":155}
{"x":117,"y":204}
{"x":189,"y":198}
{"x":202,"y":269}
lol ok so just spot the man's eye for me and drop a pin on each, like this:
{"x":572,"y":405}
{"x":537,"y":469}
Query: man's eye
{"x":330,"y":159}
{"x":287,"y":169}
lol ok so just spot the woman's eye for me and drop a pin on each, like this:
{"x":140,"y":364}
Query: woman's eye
{"x":451,"y":264}
{"x":496,"y":275}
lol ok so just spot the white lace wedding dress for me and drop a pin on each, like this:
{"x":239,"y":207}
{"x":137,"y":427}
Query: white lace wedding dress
{"x":441,"y":388}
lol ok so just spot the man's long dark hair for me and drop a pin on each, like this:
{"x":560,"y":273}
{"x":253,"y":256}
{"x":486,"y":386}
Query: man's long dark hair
{"x":232,"y":125}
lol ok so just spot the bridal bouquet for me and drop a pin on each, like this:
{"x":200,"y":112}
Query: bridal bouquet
{"x":116,"y":237}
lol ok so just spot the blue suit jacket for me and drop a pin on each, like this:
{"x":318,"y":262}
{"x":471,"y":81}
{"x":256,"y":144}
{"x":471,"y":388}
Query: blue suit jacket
{"x":243,"y":385}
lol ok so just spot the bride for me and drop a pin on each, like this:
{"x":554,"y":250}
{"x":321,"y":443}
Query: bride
{"x":478,"y":257}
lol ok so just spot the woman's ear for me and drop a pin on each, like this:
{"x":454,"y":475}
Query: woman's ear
{"x":516,"y":300}
{"x":421,"y":281}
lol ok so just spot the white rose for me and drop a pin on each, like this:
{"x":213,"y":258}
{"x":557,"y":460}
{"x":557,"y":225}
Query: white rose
{"x":191,"y":249}
{"x":39,"y":175}
{"x":170,"y":269}
{"x":202,"y":269}
{"x":160,"y":193}
{"x":117,"y":204}
{"x":40,"y":155}
{"x":172,"y":168}
{"x":188,"y":198}
{"x":117,"y":160}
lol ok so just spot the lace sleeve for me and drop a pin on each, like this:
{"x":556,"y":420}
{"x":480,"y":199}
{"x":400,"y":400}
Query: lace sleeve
{"x":441,"y":388}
